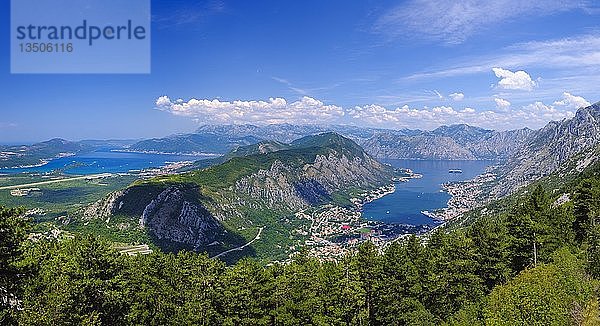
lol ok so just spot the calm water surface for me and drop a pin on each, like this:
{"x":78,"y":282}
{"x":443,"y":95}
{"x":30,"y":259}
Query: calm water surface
{"x":106,"y":162}
{"x":404,"y":206}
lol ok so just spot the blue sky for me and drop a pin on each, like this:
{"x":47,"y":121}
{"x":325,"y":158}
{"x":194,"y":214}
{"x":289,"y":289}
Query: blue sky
{"x":418,"y":64}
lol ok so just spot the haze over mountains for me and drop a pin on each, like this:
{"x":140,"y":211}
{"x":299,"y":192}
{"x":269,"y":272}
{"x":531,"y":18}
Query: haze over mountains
{"x":528,"y":154}
{"x":260,"y":184}
{"x":456,"y":142}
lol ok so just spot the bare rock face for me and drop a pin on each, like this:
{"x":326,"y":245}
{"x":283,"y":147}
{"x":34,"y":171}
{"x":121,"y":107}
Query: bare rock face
{"x":500,"y":145}
{"x":286,"y":187}
{"x":388,"y":145}
{"x":551,"y":147}
{"x":282,"y":179}
{"x":104,"y":207}
{"x":174,"y":217}
{"x":173,"y":214}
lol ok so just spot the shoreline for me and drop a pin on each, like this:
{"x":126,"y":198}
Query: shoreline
{"x":166,"y":153}
{"x":464,"y":196}
{"x":42,"y":163}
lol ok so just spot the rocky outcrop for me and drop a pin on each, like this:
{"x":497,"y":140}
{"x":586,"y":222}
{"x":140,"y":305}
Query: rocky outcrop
{"x":174,"y":213}
{"x":291,"y":188}
{"x":455,"y":142}
{"x":175,"y":216}
{"x":428,"y":147}
{"x":500,"y":145}
{"x":104,"y":207}
{"x":549,"y":148}
{"x":276,"y":178}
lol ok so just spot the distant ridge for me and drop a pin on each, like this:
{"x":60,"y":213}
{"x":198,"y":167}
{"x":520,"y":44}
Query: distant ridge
{"x":256,"y":185}
{"x":549,"y":148}
{"x":456,"y":142}
{"x":38,"y":153}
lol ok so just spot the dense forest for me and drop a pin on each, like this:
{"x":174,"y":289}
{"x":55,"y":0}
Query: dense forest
{"x":537,"y":263}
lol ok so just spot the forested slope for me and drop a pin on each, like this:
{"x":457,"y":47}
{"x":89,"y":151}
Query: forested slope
{"x":537,"y":263}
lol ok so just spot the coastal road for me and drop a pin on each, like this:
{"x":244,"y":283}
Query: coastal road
{"x":40,"y":183}
{"x":243,"y":246}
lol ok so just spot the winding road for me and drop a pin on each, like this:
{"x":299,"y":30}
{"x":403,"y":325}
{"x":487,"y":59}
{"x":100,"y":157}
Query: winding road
{"x":242,"y":246}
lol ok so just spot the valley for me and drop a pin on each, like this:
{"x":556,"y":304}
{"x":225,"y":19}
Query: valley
{"x":287,"y":163}
{"x":322,"y":193}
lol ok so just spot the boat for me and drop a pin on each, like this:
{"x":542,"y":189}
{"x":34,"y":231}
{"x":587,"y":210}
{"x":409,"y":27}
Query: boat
{"x":455,"y":171}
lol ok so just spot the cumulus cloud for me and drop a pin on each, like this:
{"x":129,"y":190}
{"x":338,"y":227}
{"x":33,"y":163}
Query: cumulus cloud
{"x":308,"y":110}
{"x":572,"y":101}
{"x":452,"y":22}
{"x":518,"y":80}
{"x":534,"y":115}
{"x":276,"y":110}
{"x":457,"y":96}
{"x":501,"y":103}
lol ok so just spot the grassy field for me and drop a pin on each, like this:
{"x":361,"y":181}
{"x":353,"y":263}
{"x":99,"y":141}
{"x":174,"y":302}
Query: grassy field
{"x":58,"y":199}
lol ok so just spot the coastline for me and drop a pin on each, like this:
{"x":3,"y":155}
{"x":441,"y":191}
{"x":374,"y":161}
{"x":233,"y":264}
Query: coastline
{"x":464,"y":196}
{"x":166,"y":153}
{"x":42,"y":163}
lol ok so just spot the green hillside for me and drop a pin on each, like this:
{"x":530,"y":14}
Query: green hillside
{"x":257,"y":187}
{"x":537,"y":262}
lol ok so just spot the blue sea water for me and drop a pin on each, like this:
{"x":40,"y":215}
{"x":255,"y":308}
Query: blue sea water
{"x":105,"y":161}
{"x":404,"y":206}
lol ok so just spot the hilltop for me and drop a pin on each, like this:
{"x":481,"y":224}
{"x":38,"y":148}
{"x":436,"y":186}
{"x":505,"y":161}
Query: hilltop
{"x":461,"y":142}
{"x":225,"y":204}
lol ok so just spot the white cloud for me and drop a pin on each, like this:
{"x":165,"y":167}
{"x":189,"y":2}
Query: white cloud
{"x":276,"y":110}
{"x":457,"y":96}
{"x":518,"y":80}
{"x":534,"y":115}
{"x":572,"y":101}
{"x":542,"y":113}
{"x":501,"y":103}
{"x":312,"y":111}
{"x":575,"y":55}
{"x":452,"y":22}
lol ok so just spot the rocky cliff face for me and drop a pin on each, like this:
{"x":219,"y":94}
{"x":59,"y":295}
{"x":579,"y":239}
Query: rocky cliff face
{"x":177,"y":215}
{"x":552,"y":146}
{"x":386,"y":145}
{"x":291,"y":188}
{"x":190,"y":208}
{"x":459,"y":142}
{"x":174,"y":213}
{"x":500,"y":145}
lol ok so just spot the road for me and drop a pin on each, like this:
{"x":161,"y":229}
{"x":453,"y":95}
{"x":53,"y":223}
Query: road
{"x":243,"y":246}
{"x":40,"y":183}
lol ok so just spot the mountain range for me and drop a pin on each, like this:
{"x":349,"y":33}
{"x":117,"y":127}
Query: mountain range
{"x":257,"y":186}
{"x":264,"y":183}
{"x":456,"y":142}
{"x":38,"y":153}
{"x":570,"y":145}
{"x":269,"y":173}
